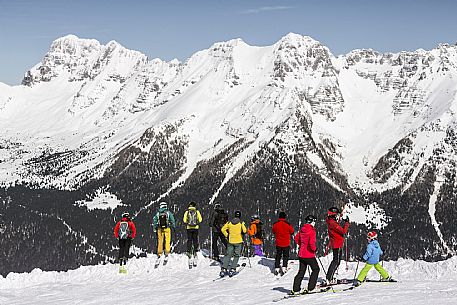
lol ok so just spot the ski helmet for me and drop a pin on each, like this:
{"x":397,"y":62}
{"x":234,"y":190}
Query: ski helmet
{"x":282,"y":214}
{"x":126,"y":215}
{"x":238,"y":214}
{"x":333,"y":211}
{"x":255,"y":216}
{"x":192,"y":204}
{"x":372,"y":235}
{"x":163,"y":204}
{"x":310,"y":219}
{"x":217,"y":206}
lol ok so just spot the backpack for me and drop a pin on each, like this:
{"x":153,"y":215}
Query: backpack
{"x":163,"y":219}
{"x":192,"y":220}
{"x":124,"y":230}
{"x":258,"y":231}
{"x":220,"y":220}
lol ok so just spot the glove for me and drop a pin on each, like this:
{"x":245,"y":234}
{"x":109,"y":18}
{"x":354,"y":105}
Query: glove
{"x":346,"y":218}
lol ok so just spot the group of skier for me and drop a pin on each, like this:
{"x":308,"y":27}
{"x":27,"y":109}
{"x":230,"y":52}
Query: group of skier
{"x":230,"y":233}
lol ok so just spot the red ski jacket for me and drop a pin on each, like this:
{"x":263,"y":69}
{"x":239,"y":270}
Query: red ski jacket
{"x":336,"y":232}
{"x":131,"y":228}
{"x":306,"y":239}
{"x":282,"y":231}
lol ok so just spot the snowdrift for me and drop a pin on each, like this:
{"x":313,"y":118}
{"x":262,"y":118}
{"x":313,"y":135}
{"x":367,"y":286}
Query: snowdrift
{"x":419,"y":283}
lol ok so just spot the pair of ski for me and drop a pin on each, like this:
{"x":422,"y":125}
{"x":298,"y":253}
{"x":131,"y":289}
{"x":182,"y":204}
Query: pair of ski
{"x":279,"y":275}
{"x":319,"y":290}
{"x":289,"y":296}
{"x":192,"y":262}
{"x":220,"y":278}
{"x":381,"y":281}
{"x":158,"y":260}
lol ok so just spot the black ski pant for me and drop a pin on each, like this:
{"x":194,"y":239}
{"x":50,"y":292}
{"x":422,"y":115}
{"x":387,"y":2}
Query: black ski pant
{"x":304,"y":263}
{"x":192,"y":241}
{"x":282,"y":252}
{"x":216,"y":236}
{"x":124,"y":250}
{"x":337,"y":254}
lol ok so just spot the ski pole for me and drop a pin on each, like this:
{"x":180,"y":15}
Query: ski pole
{"x":211,"y":254}
{"x":355,"y":274}
{"x":325,"y":273}
{"x":347,"y":251}
{"x":248,"y":254}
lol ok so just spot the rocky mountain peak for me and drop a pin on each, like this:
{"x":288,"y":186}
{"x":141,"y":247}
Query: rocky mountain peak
{"x":79,"y":59}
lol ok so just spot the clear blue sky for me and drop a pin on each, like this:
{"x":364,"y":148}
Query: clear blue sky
{"x":176,"y":29}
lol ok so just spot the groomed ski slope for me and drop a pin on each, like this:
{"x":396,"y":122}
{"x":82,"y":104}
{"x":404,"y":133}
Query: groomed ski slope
{"x":420,"y":283}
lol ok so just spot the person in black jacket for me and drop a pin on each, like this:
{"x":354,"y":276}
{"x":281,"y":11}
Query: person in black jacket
{"x":217,"y":221}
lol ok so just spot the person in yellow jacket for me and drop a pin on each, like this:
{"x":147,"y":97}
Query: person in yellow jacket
{"x":234,"y":230}
{"x":192,"y":218}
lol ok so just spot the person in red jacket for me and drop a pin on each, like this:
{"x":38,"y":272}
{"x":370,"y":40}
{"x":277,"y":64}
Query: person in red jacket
{"x":125,"y":231}
{"x":306,"y":239}
{"x":282,"y":231}
{"x":336,"y":235}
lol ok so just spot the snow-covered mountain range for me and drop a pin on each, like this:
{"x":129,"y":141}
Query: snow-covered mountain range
{"x":95,"y":130}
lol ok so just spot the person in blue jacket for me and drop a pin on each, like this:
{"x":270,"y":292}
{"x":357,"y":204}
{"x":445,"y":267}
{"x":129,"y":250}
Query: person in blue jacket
{"x":371,"y":256}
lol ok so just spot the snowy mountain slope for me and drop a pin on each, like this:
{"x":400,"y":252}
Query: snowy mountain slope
{"x":287,"y":126}
{"x":420,"y":283}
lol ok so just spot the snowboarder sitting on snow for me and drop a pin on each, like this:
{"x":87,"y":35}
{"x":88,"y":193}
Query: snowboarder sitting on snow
{"x":282,"y":231}
{"x":256,"y":232}
{"x":125,"y":231}
{"x":162,"y":223}
{"x":192,"y":218}
{"x":371,"y":256}
{"x":234,"y":230}
{"x":306,"y":239}
{"x":336,"y":235}
{"x":218,"y":220}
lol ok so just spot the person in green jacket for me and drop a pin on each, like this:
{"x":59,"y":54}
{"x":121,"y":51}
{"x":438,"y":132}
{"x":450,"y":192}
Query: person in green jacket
{"x":234,"y":230}
{"x":162,"y":223}
{"x":192,"y":218}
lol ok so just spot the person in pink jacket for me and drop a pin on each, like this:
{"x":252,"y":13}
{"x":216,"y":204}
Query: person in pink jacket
{"x":306,"y":239}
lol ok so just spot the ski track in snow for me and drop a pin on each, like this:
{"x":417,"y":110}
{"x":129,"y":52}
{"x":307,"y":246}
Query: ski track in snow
{"x":420,"y":283}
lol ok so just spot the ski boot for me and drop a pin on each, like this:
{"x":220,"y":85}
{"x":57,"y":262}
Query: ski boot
{"x":232,"y":272}
{"x":389,"y":279}
{"x":223,"y":272}
{"x":165,"y":259}
{"x":293,"y":293}
{"x":194,"y":261}
{"x":277,"y":271}
{"x":357,"y":283}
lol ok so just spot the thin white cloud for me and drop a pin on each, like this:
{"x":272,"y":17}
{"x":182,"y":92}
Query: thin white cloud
{"x":265,"y":9}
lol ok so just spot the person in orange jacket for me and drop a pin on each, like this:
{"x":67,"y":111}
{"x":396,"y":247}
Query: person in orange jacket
{"x":256,"y":232}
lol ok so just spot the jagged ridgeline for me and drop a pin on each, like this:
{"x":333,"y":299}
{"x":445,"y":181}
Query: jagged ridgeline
{"x":96,"y":130}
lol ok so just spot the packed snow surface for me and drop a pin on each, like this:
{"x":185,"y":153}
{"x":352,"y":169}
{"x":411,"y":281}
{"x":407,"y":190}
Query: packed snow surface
{"x":419,"y":283}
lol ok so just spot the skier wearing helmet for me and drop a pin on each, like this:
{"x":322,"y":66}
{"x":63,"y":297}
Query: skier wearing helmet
{"x":256,"y":232}
{"x":336,"y":234}
{"x":306,"y":239}
{"x":124,"y":231}
{"x":162,"y":223}
{"x":371,"y":257}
